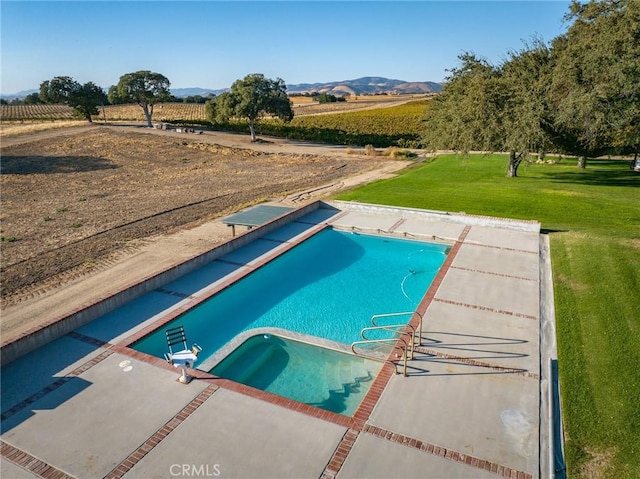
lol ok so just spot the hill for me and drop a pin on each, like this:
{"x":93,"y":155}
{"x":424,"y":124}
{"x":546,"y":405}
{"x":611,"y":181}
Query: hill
{"x":359,"y":86}
{"x":20,"y":94}
{"x":366,"y":86}
{"x":184,"y":92}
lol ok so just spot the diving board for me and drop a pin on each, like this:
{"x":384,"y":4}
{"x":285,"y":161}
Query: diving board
{"x":255,"y":216}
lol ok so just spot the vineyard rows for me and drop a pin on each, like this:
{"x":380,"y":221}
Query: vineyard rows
{"x":184,"y":112}
{"x":380,"y":126}
{"x":36,"y":112}
{"x":398,"y":120}
{"x":161,"y":112}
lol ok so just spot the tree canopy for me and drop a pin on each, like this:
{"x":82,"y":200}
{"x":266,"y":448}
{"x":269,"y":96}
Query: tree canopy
{"x":144,"y":88}
{"x":327,"y":98}
{"x":252,"y":98}
{"x":580,"y":94}
{"x":31,"y":99}
{"x":489,"y":108}
{"x":85,"y":99}
{"x":596,"y":83}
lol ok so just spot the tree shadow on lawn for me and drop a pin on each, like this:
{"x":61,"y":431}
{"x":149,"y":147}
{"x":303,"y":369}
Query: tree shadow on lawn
{"x":596,"y":177}
{"x":26,"y":165}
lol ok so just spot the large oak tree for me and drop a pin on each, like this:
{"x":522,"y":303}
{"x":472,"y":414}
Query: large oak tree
{"x":252,"y":98}
{"x":580,"y":94}
{"x":493,"y":108}
{"x":144,"y":88}
{"x":596,"y":82}
{"x":85,"y":99}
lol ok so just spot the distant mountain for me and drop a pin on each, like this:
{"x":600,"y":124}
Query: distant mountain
{"x":183,"y":92}
{"x":360,"y":86}
{"x":20,"y":94}
{"x":366,"y":86}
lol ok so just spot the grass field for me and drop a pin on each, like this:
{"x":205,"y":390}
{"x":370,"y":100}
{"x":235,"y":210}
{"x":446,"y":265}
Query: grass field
{"x":593,"y":218}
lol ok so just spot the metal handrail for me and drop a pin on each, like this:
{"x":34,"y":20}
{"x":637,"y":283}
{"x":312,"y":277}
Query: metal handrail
{"x":396,"y":328}
{"x":395,"y":340}
{"x":404,"y":313}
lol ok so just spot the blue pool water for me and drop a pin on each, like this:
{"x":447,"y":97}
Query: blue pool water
{"x":328,"y":286}
{"x":317,"y":376}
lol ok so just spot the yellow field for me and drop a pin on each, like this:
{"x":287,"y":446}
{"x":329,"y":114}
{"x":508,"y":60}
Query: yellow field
{"x":16,"y":128}
{"x":300,"y":100}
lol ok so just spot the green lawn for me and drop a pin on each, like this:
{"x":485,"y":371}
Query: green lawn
{"x":593,"y":218}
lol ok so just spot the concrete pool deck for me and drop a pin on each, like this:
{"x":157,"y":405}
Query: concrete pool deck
{"x":474,"y":403}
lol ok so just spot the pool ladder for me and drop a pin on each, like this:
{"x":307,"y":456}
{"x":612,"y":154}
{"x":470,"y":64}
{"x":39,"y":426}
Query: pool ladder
{"x":399,"y":330}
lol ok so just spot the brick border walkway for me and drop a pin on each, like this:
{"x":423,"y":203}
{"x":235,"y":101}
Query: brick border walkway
{"x":157,"y":437}
{"x":29,"y":463}
{"x":450,"y":454}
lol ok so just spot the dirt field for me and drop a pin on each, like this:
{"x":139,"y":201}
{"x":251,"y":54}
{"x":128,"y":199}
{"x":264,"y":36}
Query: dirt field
{"x":73,"y":197}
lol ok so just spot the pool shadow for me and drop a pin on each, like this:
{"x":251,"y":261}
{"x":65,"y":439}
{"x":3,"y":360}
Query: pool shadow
{"x":43,"y":379}
{"x":486,"y":347}
{"x":27,"y":165}
{"x":622,"y":176}
{"x":485,"y":355}
{"x":337,"y":400}
{"x":121,"y":321}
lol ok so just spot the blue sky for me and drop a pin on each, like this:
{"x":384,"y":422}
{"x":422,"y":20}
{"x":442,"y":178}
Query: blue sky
{"x":211,"y":44}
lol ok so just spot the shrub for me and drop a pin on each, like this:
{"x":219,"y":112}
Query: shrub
{"x":369,"y":150}
{"x":394,"y":152}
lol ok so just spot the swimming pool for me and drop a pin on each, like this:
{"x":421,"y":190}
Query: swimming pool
{"x":318,"y":376}
{"x":328,"y":286}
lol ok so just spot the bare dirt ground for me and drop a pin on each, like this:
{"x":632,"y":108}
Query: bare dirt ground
{"x":77,"y":200}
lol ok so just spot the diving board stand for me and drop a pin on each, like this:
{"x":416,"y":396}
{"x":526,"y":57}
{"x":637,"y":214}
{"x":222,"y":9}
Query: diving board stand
{"x":255,"y":216}
{"x":184,"y":357}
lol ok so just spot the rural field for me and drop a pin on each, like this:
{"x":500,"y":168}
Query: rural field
{"x":69,"y":200}
{"x":185,"y":112}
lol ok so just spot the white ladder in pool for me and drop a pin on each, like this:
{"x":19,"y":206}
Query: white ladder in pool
{"x":398,"y":330}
